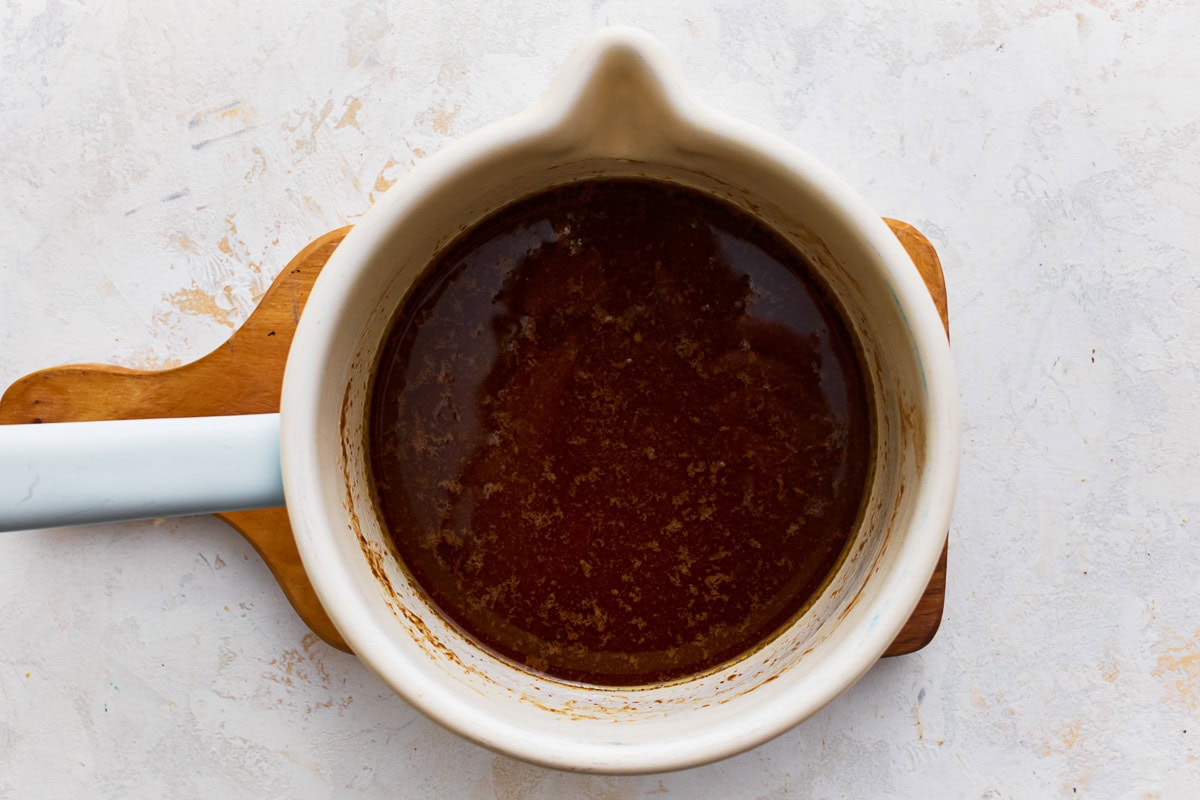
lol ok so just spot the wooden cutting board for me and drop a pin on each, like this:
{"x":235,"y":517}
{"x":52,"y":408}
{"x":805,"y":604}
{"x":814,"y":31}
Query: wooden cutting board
{"x":244,"y":376}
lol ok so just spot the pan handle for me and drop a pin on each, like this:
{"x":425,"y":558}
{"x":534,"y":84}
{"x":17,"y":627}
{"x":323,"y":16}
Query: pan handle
{"x":79,"y":473}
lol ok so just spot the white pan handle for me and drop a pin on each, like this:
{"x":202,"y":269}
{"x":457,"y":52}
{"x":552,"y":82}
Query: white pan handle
{"x":77,"y":473}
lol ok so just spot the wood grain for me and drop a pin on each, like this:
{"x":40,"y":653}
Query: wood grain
{"x":245,"y":375}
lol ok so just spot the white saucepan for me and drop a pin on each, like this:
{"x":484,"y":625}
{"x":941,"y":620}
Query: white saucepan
{"x":618,"y":108}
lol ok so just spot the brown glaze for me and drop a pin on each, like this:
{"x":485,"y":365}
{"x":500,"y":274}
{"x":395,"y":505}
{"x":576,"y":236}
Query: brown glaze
{"x":619,"y":433}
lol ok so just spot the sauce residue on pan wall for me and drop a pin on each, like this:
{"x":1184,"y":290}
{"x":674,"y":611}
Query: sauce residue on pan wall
{"x":619,"y":432}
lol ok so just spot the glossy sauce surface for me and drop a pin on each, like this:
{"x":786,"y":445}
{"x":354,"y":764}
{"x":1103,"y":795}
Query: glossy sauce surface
{"x":619,"y":433}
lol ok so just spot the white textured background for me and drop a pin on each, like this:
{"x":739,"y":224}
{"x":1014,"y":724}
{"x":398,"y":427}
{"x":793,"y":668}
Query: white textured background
{"x":160,"y":162}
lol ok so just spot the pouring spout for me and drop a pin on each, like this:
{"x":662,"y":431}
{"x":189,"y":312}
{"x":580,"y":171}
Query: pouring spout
{"x":620,"y":95}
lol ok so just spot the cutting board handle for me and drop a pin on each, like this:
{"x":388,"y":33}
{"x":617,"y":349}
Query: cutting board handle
{"x":79,"y":473}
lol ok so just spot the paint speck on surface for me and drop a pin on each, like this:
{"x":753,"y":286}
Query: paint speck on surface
{"x":1179,"y":671}
{"x":305,"y":663}
{"x":285,"y":668}
{"x":259,"y":167}
{"x":313,"y":648}
{"x":181,"y":241}
{"x":195,"y":301}
{"x":232,"y":245}
{"x":437,"y":119}
{"x":349,"y":117}
{"x":307,"y":127}
{"x":382,"y":182}
{"x":1068,"y":737}
{"x":1071,"y":736}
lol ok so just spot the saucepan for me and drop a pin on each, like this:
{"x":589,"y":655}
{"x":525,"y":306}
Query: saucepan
{"x":617,"y":108}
